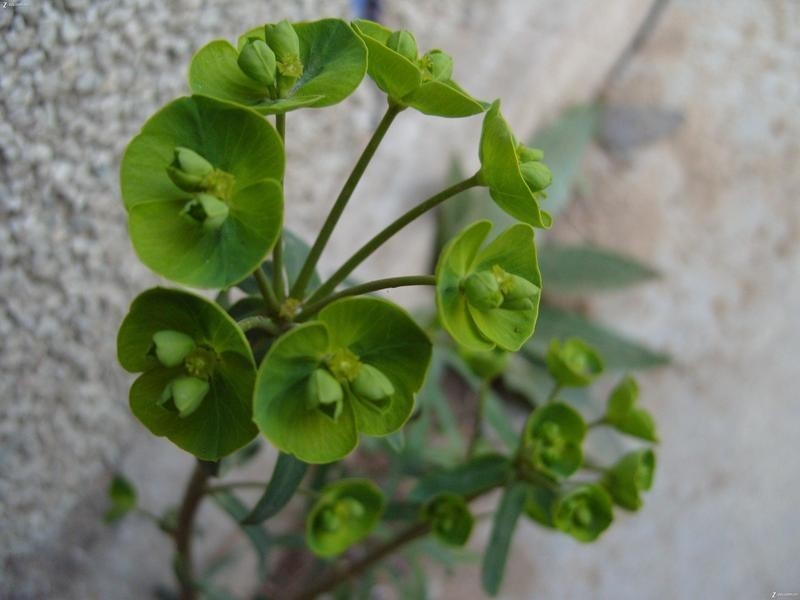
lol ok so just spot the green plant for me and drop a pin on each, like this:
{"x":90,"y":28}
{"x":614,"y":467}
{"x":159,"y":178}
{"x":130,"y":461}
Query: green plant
{"x":315,"y":369}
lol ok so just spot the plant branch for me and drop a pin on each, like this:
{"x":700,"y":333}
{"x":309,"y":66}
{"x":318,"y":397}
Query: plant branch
{"x":271,"y":302}
{"x":192,"y":497}
{"x":277,"y":251}
{"x":258,"y":322}
{"x":299,"y":287}
{"x":557,"y":387}
{"x":366,"y":288}
{"x":376,"y":242}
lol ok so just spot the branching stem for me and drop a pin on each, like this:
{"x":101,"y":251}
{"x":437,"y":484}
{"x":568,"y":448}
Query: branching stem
{"x":270,"y":301}
{"x":192,"y":497}
{"x":277,"y":251}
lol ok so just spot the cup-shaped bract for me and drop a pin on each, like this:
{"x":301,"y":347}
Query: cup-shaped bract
{"x":425,"y":83}
{"x":215,"y":234}
{"x":374,"y":352}
{"x":345,"y":513}
{"x":330,"y":63}
{"x":584,"y":512}
{"x":551,"y":441}
{"x":469,"y":307}
{"x":573,"y":362}
{"x":540,"y":503}
{"x":449,"y":518}
{"x":631,"y":475}
{"x":201,"y":403}
{"x":501,"y":171}
{"x":624,"y":415}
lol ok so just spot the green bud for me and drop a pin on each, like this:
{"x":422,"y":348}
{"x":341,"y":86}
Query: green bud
{"x":449,"y":517}
{"x":584,"y":512}
{"x":551,"y":441}
{"x":344,"y":364}
{"x":439,"y":64}
{"x":184,"y":395}
{"x":257,"y":61}
{"x":206,"y":210}
{"x":537,"y":175}
{"x":189,"y":170}
{"x":483,"y":290}
{"x":325,"y":393}
{"x":573,"y":363}
{"x":282,"y":39}
{"x":623,"y":413}
{"x":518,"y":292}
{"x":403,"y":43}
{"x":373,"y":386}
{"x":526,"y":154}
{"x":171,"y":347}
{"x":632,"y":474}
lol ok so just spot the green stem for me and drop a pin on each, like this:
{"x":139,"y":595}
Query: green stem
{"x":271,"y":302}
{"x":299,"y":287}
{"x":183,"y":532}
{"x":597,"y":423}
{"x":557,"y":387}
{"x":365,"y":288}
{"x":258,"y":322}
{"x":235,"y":485}
{"x":376,"y":242}
{"x":277,"y":251}
{"x":477,"y":423}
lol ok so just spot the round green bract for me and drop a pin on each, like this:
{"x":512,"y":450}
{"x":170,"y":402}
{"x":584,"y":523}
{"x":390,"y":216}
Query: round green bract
{"x":449,"y":517}
{"x":561,"y":363}
{"x":625,"y":416}
{"x":402,"y":78}
{"x":600,"y":508}
{"x":332,"y":542}
{"x":233,"y":140}
{"x":571,"y":430}
{"x":481,"y":330}
{"x":632,"y":474}
{"x":223,"y":421}
{"x":334,"y":63}
{"x":381,"y":335}
{"x":501,"y":173}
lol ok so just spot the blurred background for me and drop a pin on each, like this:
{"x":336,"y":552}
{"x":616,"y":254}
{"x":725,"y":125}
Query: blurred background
{"x":673,"y":127}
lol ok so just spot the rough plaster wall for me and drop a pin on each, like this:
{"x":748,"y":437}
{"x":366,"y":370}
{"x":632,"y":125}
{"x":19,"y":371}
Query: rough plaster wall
{"x":78,"y":78}
{"x":715,"y":208}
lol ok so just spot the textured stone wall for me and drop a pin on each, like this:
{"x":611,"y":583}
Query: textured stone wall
{"x":77,"y":80}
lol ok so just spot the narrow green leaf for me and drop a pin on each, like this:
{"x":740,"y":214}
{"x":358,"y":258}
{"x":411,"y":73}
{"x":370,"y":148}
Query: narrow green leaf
{"x":618,"y":352}
{"x":286,"y":477}
{"x":474,"y":476}
{"x":579,"y":269}
{"x":258,"y":536}
{"x":503,"y":525}
{"x":496,"y":417}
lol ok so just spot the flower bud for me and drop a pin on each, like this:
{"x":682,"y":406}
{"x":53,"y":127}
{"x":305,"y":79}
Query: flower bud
{"x":526,"y":154}
{"x":439,"y":64}
{"x":206,"y":210}
{"x":633,"y":473}
{"x":184,"y":395}
{"x":483,"y":290}
{"x":573,"y":363}
{"x":282,"y":39}
{"x":188,"y":170}
{"x":584,"y":512}
{"x":449,"y":517}
{"x":536,"y":175}
{"x":518,"y":292}
{"x":325,"y":393}
{"x":171,"y":347}
{"x":257,"y":61}
{"x":403,"y":43}
{"x":373,"y":386}
{"x":551,"y":441}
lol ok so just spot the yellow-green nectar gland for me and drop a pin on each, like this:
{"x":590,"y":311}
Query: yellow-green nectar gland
{"x":200,"y":363}
{"x":344,"y":365}
{"x":582,"y":516}
{"x":551,"y":444}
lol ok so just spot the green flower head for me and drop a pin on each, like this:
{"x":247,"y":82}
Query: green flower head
{"x":573,"y":363}
{"x":355,"y":369}
{"x":631,"y":475}
{"x":540,"y":503}
{"x":551,"y":441}
{"x":197,"y":372}
{"x":514,"y":174}
{"x":283,"y":66}
{"x":421,"y":82}
{"x":489,"y":297}
{"x":345,"y":513}
{"x":449,"y":517}
{"x":584,"y":512}
{"x":201,"y":187}
{"x":623,"y":414}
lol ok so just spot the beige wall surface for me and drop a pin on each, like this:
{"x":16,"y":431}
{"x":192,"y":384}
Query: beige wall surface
{"x":714,"y":206}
